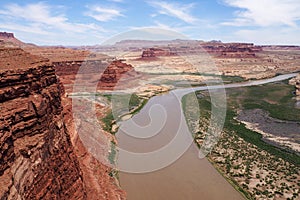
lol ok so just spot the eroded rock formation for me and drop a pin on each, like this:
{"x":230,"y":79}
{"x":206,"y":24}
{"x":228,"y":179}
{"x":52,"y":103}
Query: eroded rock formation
{"x":296,"y":82}
{"x":105,"y":73}
{"x":37,"y":157}
{"x":156,"y":52}
{"x":9,"y":37}
{"x":116,"y":71}
{"x":232,"y":50}
{"x":217,"y":49}
{"x":6,"y":35}
{"x":41,"y":155}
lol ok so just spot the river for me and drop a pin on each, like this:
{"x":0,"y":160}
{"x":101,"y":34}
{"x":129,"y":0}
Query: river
{"x":189,"y":177}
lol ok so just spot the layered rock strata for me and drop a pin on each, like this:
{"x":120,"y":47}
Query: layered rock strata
{"x":10,"y":38}
{"x":105,"y":74}
{"x":36,"y":154}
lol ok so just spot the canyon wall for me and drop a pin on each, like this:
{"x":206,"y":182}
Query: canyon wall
{"x":218,"y":49}
{"x":232,"y":50}
{"x":106,"y":73}
{"x":156,"y":52}
{"x":37,"y":157}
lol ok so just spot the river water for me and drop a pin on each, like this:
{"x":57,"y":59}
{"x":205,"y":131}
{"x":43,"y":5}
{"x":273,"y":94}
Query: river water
{"x":189,"y":177}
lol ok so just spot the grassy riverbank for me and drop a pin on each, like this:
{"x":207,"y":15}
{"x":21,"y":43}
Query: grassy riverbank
{"x":123,"y":105}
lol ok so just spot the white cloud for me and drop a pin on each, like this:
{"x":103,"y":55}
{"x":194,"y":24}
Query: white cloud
{"x":40,"y":15}
{"x":265,"y":12}
{"x":45,"y":24}
{"x":177,"y":10}
{"x":102,"y":14}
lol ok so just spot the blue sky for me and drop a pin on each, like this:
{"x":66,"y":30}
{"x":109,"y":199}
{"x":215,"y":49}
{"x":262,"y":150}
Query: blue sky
{"x":72,"y":22}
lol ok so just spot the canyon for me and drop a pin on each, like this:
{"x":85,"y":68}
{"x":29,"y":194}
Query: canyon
{"x":42,"y":155}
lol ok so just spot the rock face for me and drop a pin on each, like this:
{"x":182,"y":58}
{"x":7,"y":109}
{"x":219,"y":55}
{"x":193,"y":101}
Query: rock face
{"x":5,"y":35}
{"x":217,"y":49}
{"x":97,"y":177}
{"x":9,"y":37}
{"x":156,"y":52}
{"x":114,"y":72}
{"x":296,"y":81}
{"x":232,"y":50}
{"x":36,"y":154}
{"x":105,"y":73}
{"x":97,"y":180}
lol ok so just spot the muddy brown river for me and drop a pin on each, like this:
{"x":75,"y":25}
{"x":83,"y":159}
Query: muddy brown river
{"x":189,"y":177}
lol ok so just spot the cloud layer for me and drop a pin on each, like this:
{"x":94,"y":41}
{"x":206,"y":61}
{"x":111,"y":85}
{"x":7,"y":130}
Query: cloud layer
{"x":265,"y":12}
{"x":102,"y":14}
{"x":74,"y":23}
{"x":179,"y":11}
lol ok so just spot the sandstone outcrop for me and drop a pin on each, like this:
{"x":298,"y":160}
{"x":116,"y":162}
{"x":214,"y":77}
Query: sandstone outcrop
{"x":6,"y":35}
{"x":9,"y":38}
{"x":296,"y":82}
{"x":105,"y":73}
{"x":36,"y":154}
{"x":156,"y":52}
{"x":217,"y":49}
{"x":232,"y":50}
{"x":116,"y":71}
{"x":98,"y":182}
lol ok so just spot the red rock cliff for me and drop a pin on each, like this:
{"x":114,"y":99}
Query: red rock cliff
{"x":9,"y":37}
{"x":37,"y":160}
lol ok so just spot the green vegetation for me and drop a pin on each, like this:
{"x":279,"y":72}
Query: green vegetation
{"x":255,"y":138}
{"x":108,"y":121}
{"x":276,"y":98}
{"x":140,"y":106}
{"x":233,"y":182}
{"x":113,"y":153}
{"x":241,"y":155}
{"x":121,"y":103}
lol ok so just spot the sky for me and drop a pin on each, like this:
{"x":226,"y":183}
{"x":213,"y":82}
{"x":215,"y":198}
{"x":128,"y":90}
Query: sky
{"x":90,"y":22}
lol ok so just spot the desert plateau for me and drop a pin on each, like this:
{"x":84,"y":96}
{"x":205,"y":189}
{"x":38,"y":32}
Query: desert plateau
{"x":150,"y":114}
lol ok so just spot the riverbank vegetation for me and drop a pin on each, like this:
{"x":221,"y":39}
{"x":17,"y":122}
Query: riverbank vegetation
{"x":255,"y":168}
{"x":123,"y":104}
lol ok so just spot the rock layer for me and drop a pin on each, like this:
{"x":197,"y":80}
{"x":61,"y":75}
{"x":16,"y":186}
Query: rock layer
{"x":156,"y":52}
{"x":36,"y":155}
{"x":9,"y":37}
{"x":232,"y":50}
{"x":105,"y":74}
{"x":296,"y":82}
{"x":113,"y":74}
